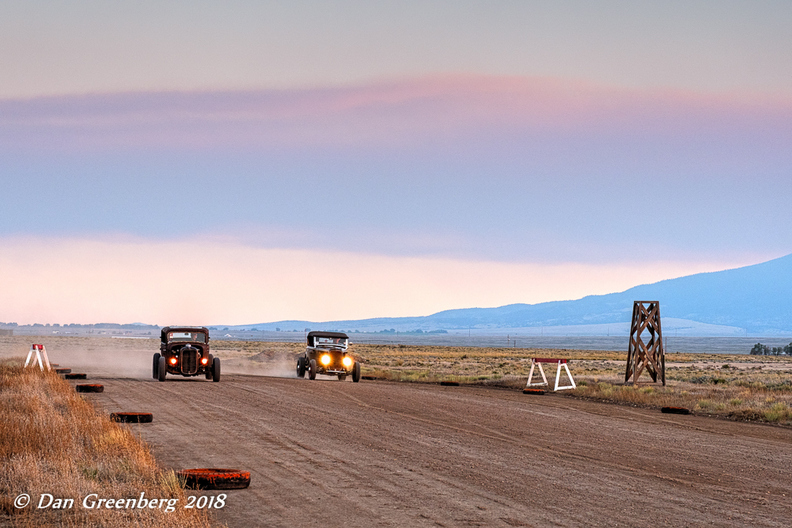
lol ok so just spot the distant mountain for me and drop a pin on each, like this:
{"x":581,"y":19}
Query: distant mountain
{"x":757,"y":299}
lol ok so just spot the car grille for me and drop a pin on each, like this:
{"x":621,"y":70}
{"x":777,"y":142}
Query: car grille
{"x":189,"y":361}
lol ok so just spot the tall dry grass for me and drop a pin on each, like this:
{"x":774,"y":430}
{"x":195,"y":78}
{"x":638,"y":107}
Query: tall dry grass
{"x":53,"y":441}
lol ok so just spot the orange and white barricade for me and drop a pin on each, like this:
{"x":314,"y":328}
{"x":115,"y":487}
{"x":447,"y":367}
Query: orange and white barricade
{"x":560,"y":363}
{"x":40,"y":357}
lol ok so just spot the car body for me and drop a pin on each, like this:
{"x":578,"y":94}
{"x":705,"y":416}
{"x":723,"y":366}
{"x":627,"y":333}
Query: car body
{"x":184,"y":350}
{"x":327,"y":353}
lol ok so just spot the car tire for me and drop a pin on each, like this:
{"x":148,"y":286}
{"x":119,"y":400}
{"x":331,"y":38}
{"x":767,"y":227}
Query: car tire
{"x":162,"y":369}
{"x":356,"y":372}
{"x":216,"y":370}
{"x":156,"y":365}
{"x":342,"y":377}
{"x":301,"y":367}
{"x":209,"y":367}
{"x":312,"y":369}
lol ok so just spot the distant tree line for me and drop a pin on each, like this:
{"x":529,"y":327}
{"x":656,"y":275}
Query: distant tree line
{"x":763,"y":350}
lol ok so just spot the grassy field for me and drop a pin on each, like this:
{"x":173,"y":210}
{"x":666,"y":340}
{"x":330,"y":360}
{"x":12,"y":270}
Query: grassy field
{"x":53,"y":441}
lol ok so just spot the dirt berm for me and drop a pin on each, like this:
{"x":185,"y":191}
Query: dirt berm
{"x":330,"y":453}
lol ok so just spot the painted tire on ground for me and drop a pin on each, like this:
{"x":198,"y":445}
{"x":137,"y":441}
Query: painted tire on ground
{"x":533,"y":391}
{"x":75,"y":375}
{"x":89,"y":387}
{"x":449,"y":383}
{"x":675,"y":410}
{"x":62,"y":370}
{"x":214,"y":479}
{"x":131,"y":417}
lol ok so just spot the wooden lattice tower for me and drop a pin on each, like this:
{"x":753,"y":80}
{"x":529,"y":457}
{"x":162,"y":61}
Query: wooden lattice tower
{"x":649,"y":355}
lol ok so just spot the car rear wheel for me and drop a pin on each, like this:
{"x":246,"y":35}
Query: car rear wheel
{"x":301,"y":367}
{"x":341,"y":377}
{"x":312,"y":369}
{"x":155,"y":368}
{"x":162,"y":369}
{"x":356,"y":372}
{"x":216,"y":369}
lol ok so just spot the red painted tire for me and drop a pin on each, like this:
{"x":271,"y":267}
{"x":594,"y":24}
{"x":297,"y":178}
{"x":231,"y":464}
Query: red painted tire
{"x":450,"y":383}
{"x":533,"y":391}
{"x":675,"y":410}
{"x":75,"y":375}
{"x":89,"y":388}
{"x":131,"y":417}
{"x":62,"y":370}
{"x":214,"y":479}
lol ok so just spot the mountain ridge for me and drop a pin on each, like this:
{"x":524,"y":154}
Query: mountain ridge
{"x":753,"y":298}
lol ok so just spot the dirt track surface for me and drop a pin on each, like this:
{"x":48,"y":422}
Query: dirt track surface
{"x":330,"y":453}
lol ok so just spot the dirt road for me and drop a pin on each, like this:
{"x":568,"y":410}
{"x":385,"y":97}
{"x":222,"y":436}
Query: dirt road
{"x":330,"y":453}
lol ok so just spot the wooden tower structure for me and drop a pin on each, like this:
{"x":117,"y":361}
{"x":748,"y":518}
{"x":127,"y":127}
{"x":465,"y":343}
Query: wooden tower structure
{"x":649,"y":355}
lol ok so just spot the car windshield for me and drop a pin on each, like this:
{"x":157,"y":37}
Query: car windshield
{"x":330,"y":341}
{"x":187,"y":336}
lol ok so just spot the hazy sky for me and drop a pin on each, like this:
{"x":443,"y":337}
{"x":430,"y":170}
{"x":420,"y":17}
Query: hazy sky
{"x":235,"y":162}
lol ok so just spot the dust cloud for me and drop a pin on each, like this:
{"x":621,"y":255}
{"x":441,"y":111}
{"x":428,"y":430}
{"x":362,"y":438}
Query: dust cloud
{"x":95,"y":356}
{"x":132,"y":358}
{"x":280,"y":366}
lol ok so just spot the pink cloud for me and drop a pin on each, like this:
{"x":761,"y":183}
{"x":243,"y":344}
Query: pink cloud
{"x":442,"y":110}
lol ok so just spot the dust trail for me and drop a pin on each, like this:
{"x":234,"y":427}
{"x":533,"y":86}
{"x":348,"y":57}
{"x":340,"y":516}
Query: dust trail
{"x":266,"y":363}
{"x":132,"y":358}
{"x":117,"y":360}
{"x":94,"y":356}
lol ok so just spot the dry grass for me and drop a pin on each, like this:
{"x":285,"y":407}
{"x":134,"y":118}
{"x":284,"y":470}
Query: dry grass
{"x":53,"y":441}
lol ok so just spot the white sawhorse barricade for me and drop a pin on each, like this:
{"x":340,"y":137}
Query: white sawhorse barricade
{"x":560,"y":363}
{"x":40,"y":357}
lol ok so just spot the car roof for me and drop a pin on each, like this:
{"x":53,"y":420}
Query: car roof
{"x":165,"y":330}
{"x":326,"y":334}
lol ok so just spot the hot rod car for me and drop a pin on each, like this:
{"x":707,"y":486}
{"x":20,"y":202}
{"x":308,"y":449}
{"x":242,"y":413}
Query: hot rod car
{"x":185,"y":350}
{"x":326,"y":353}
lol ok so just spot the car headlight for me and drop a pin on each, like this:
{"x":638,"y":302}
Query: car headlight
{"x":173,"y":361}
{"x":347,"y":361}
{"x":325,"y":359}
{"x":204,"y":361}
